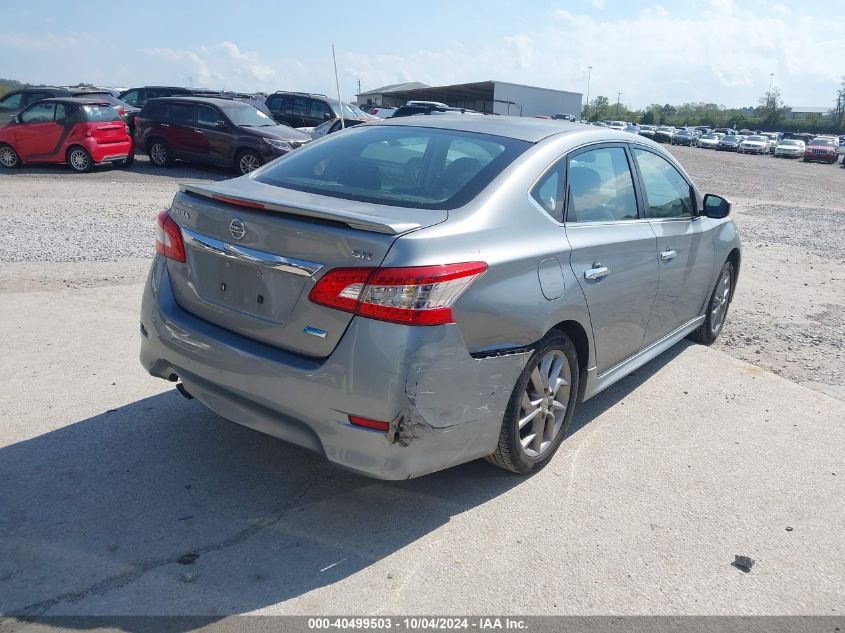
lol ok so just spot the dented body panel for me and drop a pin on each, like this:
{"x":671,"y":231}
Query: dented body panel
{"x":444,"y":405}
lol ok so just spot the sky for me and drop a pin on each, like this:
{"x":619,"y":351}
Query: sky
{"x":674,"y":51}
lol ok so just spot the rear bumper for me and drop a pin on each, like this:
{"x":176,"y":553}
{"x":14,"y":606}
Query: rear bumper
{"x":444,"y":406}
{"x":108,"y":152}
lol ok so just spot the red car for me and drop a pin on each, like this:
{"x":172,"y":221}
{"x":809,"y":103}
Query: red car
{"x":78,"y":131}
{"x":821,"y":149}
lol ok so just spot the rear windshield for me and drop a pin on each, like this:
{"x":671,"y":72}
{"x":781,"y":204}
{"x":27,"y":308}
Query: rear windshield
{"x":99,"y":113}
{"x":402,"y":166}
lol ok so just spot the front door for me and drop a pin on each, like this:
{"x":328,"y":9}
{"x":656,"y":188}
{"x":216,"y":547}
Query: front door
{"x":612,"y":251}
{"x":38,"y":135}
{"x":685,"y":251}
{"x":214,"y":144}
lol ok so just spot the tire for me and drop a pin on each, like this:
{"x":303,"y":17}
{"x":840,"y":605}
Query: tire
{"x":160,"y":153}
{"x":517,"y":451}
{"x":247,"y":161}
{"x":716,"y":315}
{"x":79,"y":160}
{"x":9,"y":158}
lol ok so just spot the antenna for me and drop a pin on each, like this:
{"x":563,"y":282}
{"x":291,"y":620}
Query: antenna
{"x":337,"y":85}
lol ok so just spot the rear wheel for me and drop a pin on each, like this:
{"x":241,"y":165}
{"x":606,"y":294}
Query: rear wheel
{"x":79,"y":159}
{"x":247,"y":161}
{"x":160,"y":153}
{"x":717,"y":307}
{"x":541,"y":407}
{"x":9,"y":157}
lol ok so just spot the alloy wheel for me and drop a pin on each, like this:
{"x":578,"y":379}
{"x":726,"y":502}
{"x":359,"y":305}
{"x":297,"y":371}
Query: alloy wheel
{"x":158,"y":153}
{"x":248,"y":163}
{"x":719,"y":304}
{"x":79,"y":160}
{"x":544,"y":402}
{"x":8,"y":158}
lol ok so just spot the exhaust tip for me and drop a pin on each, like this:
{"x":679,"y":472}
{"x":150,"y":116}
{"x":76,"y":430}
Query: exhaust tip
{"x":181,"y":389}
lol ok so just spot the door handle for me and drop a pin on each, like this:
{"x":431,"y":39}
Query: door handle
{"x":596,"y":272}
{"x":164,"y":125}
{"x":199,"y":131}
{"x":668,"y":256}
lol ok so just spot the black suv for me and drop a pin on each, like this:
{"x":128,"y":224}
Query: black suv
{"x":14,"y":102}
{"x":213,"y":131}
{"x":303,"y":109}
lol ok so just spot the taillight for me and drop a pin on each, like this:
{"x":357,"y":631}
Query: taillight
{"x":136,"y":121}
{"x":121,"y":111}
{"x":169,"y":238}
{"x":375,"y":425}
{"x":422,"y":295}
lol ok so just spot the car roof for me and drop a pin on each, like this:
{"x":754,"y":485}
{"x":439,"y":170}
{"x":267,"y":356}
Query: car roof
{"x":521,"y":128}
{"x":76,"y":100}
{"x":218,"y":101}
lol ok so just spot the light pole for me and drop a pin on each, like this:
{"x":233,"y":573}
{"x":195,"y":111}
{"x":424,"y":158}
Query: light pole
{"x":618,"y":96}
{"x":587,"y":106}
{"x":771,"y":78}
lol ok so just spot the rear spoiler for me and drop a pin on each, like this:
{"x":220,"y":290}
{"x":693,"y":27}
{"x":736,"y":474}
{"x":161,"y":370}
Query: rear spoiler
{"x":352,"y":219}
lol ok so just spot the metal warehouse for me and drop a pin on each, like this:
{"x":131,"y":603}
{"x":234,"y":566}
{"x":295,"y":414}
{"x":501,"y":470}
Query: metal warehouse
{"x":490,"y":97}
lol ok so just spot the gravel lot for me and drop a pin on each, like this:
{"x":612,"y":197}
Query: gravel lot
{"x":89,"y":230}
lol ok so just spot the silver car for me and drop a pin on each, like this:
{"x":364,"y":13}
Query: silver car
{"x":419,"y":293}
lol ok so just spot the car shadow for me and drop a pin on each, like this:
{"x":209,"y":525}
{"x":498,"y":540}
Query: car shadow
{"x":162,"y":507}
{"x":142,"y":166}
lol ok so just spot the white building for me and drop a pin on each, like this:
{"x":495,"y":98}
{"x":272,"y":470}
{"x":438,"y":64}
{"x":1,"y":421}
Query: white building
{"x":490,"y":97}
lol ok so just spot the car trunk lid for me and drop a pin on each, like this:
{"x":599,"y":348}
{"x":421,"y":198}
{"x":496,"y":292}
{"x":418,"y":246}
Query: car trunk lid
{"x":254,"y":252}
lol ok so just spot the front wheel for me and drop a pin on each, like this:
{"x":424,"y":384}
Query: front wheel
{"x":9,"y":157}
{"x":541,"y":407}
{"x":247,"y":161}
{"x":160,"y":154}
{"x":717,"y":307}
{"x":80,"y":160}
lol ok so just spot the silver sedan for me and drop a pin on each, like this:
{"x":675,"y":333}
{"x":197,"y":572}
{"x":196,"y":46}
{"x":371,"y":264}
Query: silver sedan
{"x":418,"y":293}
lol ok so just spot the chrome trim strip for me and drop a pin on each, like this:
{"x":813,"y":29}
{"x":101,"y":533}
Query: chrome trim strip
{"x":599,"y":382}
{"x":250,"y":256}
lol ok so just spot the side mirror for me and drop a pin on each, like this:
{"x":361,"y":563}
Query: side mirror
{"x":15,"y":119}
{"x":220,"y":125}
{"x":327,"y":116}
{"x":716,"y":207}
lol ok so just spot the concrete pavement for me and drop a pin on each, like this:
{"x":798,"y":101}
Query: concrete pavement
{"x":117,"y":496}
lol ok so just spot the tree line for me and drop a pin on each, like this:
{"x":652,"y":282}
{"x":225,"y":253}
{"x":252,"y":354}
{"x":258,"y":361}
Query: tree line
{"x":771,"y":114}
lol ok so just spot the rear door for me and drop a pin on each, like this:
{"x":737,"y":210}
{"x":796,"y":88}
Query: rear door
{"x":276,"y":104}
{"x":612,"y":250}
{"x":38,"y":134}
{"x":295,"y":109}
{"x":178,"y":127}
{"x":318,"y":112}
{"x":685,"y":251}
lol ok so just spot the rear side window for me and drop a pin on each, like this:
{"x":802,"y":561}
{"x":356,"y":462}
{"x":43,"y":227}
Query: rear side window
{"x":401,"y":166}
{"x":668,"y":194}
{"x":178,"y":113}
{"x":130,"y":97}
{"x":39,"y":113}
{"x":548,"y":193}
{"x":277,"y":102}
{"x":11,"y":102}
{"x":601,"y":188}
{"x":99,"y":113}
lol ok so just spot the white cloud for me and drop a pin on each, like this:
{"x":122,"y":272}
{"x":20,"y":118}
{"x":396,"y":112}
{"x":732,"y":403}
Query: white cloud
{"x":222,"y":65}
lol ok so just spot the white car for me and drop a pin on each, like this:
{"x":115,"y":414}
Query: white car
{"x":709,"y":141}
{"x":774,"y":139}
{"x":790,"y":148}
{"x":617,"y":125}
{"x":383,"y":113}
{"x":756,"y":144}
